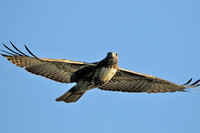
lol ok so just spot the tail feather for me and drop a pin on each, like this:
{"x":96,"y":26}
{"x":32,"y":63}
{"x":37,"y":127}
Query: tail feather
{"x":69,"y":97}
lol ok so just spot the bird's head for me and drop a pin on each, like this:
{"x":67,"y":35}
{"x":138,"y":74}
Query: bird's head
{"x":112,"y":58}
{"x":109,"y":61}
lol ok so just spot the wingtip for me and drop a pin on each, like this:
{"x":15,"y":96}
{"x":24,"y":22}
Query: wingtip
{"x":3,"y":44}
{"x":11,"y":42}
{"x":17,"y":52}
{"x":2,"y":54}
{"x":10,"y":50}
{"x":193,"y":85}
{"x":187,"y":82}
{"x":17,"y":49}
{"x":30,"y":52}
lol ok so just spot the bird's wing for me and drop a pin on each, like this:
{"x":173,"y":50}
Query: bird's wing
{"x":129,"y":81}
{"x":56,"y":69}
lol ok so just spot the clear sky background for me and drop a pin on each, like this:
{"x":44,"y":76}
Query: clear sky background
{"x":157,"y":37}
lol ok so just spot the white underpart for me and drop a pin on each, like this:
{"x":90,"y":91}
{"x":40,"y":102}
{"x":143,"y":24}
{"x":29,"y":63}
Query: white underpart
{"x":107,"y":73}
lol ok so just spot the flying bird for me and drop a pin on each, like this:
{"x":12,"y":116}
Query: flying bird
{"x":105,"y":75}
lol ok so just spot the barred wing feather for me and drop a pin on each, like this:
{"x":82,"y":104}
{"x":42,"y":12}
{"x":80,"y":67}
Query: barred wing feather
{"x":129,"y":81}
{"x":56,"y":69}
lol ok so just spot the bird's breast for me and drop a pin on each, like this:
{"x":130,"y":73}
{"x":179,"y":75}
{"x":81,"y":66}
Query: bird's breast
{"x":107,"y":73}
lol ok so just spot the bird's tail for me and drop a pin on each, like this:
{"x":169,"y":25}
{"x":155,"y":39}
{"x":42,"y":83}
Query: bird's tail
{"x":70,"y":96}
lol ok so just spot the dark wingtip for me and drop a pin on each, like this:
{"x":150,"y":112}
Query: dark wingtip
{"x":17,"y":49}
{"x":11,"y":42}
{"x":10,"y":50}
{"x":195,"y":82}
{"x":188,"y":82}
{"x":193,"y":85}
{"x":3,"y":55}
{"x":6,"y":52}
{"x":13,"y":53}
{"x":197,"y":85}
{"x":30,"y":52}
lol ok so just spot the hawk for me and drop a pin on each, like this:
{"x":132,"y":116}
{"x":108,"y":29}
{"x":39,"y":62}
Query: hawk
{"x":105,"y":75}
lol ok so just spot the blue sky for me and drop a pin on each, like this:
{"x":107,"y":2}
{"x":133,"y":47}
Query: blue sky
{"x":155,"y":37}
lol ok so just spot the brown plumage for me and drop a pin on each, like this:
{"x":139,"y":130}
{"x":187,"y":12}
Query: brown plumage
{"x":105,"y":75}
